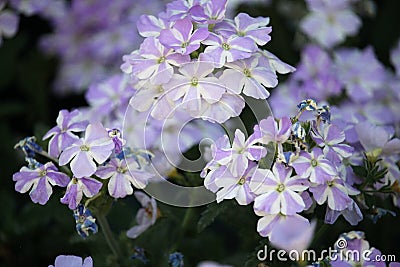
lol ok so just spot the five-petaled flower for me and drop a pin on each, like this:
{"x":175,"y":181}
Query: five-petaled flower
{"x":97,"y":147}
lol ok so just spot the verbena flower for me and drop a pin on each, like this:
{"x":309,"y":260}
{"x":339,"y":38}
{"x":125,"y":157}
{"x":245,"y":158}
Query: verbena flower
{"x":236,"y":187}
{"x":277,"y":191}
{"x":209,"y":11}
{"x":145,"y":217}
{"x":330,"y":22}
{"x":62,"y":135}
{"x":182,"y":38}
{"x":352,"y":214}
{"x":72,"y":261}
{"x":330,"y":137}
{"x":29,"y":146}
{"x":39,"y":181}
{"x":228,"y":49}
{"x":85,"y":223}
{"x":154,"y":62}
{"x":249,"y":76}
{"x":268,"y":222}
{"x":314,"y":166}
{"x":334,"y":192}
{"x":96,"y":146}
{"x":244,"y":25}
{"x":149,"y":25}
{"x":78,"y":187}
{"x":122,"y":175}
{"x":140,"y":254}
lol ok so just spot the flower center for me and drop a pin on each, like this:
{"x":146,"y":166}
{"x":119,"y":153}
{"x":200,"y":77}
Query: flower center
{"x":241,"y":34}
{"x":195,"y":81}
{"x":280,"y":188}
{"x":161,"y":60}
{"x":225,"y":46}
{"x":121,"y":170}
{"x":84,"y":148}
{"x":314,"y":163}
{"x":330,"y":183}
{"x":242,"y":181}
{"x":42,"y":173}
{"x":247,"y":72}
{"x":185,"y":44}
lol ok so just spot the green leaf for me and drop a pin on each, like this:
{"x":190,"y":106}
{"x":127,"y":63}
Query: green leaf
{"x":211,"y":213}
{"x":360,"y":171}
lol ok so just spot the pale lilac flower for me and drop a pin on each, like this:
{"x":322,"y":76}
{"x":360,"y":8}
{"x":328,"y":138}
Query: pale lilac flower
{"x":330,"y":137}
{"x":123,"y":174}
{"x":278,"y":191}
{"x":209,"y":11}
{"x":145,"y":217}
{"x":316,"y":75}
{"x":272,"y":131}
{"x":230,"y":105}
{"x":111,"y":95}
{"x":248,"y":76}
{"x":333,"y":191}
{"x":153,"y":61}
{"x":360,"y":71}
{"x":78,"y":187}
{"x":195,"y":84}
{"x":72,"y":261}
{"x":293,"y":235}
{"x":267,"y":224}
{"x":329,"y":22}
{"x":277,"y":65}
{"x":39,"y":181}
{"x":376,"y":140}
{"x":314,"y":166}
{"x":182,"y":38}
{"x":222,"y":49}
{"x":96,"y":146}
{"x":62,"y":135}
{"x":236,"y":187}
{"x":8,"y":23}
{"x":179,"y":9}
{"x":149,"y":25}
{"x":244,"y":25}
{"x":352,"y":214}
{"x":244,"y":150}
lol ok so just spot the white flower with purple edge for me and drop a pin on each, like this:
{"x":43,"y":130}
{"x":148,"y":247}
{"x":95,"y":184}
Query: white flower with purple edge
{"x":330,"y":137}
{"x":208,"y":11}
{"x":39,"y":181}
{"x":236,"y":187}
{"x":62,"y":135}
{"x":78,"y":187}
{"x":244,"y":25}
{"x":182,"y":38}
{"x":335,"y":192}
{"x":267,"y":224}
{"x":122,"y":175}
{"x":272,"y":131}
{"x":228,"y":49}
{"x":249,"y":76}
{"x":145,"y":217}
{"x":278,"y":191}
{"x":194,"y":84}
{"x":314,"y":166}
{"x":96,"y":146}
{"x":153,"y":61}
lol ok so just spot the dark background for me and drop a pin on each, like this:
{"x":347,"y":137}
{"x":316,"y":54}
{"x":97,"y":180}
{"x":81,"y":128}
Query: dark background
{"x":33,"y":235}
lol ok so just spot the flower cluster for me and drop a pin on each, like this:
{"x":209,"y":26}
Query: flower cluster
{"x":196,"y":60}
{"x":307,"y":161}
{"x":82,"y":165}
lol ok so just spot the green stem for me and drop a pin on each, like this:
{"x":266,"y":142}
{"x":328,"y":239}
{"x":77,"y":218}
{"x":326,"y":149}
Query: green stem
{"x":112,"y":243}
{"x":321,"y":231}
{"x":65,"y":169}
